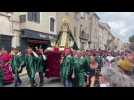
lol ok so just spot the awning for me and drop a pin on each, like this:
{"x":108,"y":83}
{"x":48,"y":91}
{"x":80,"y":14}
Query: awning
{"x":38,"y":42}
{"x":26,"y":33}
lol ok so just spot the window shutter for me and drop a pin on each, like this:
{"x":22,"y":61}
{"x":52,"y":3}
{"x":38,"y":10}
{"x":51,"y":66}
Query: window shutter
{"x":52,"y":23}
{"x":30,"y":16}
{"x":38,"y":16}
{"x":34,"y":16}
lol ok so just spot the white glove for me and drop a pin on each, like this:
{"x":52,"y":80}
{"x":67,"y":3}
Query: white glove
{"x":44,"y":57}
{"x":19,"y":53}
{"x":35,"y":54}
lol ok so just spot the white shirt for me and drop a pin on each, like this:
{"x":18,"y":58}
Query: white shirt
{"x":105,"y":85}
{"x":44,"y":57}
{"x":110,"y":58}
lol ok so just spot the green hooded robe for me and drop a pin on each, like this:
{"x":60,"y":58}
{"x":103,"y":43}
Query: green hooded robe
{"x":40,"y":64}
{"x":1,"y":78}
{"x":66,"y":67}
{"x":16,"y":63}
{"x":31,"y":65}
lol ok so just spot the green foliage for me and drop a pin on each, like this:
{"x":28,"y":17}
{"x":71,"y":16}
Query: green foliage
{"x":131,"y":38}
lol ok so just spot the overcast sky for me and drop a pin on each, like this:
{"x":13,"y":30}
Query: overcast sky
{"x":121,"y":23}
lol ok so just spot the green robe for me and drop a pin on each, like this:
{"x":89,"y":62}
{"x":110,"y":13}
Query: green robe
{"x":76,"y":69}
{"x":82,"y":70}
{"x":40,"y":64}
{"x":99,"y":61}
{"x":1,"y":78}
{"x":86,"y":63}
{"x":66,"y":67}
{"x":31,"y":65}
{"x":16,"y":63}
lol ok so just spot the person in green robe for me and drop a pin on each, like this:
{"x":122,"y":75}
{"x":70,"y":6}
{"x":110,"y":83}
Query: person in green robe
{"x":66,"y":68}
{"x":83,"y":61}
{"x":16,"y":64}
{"x":1,"y":71}
{"x":1,"y":78}
{"x":87,"y":61}
{"x":41,"y":65}
{"x":99,"y":59}
{"x":75,"y":68}
{"x":31,"y":60}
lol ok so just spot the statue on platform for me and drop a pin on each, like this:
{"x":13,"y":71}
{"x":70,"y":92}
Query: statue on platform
{"x":65,"y":38}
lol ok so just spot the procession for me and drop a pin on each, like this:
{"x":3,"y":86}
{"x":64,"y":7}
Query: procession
{"x":74,"y":68}
{"x":65,"y":61}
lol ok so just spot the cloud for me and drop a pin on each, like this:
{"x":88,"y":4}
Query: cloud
{"x":121,"y":23}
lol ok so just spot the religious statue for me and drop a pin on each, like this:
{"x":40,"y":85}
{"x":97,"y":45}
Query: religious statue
{"x":65,"y":38}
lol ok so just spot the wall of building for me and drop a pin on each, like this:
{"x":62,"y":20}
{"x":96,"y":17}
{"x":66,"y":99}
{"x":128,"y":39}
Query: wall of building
{"x":97,"y":35}
{"x":94,"y":31}
{"x":5,"y":31}
{"x":6,"y":25}
{"x":43,"y":26}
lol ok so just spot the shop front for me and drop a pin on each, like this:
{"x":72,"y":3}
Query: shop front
{"x":34,"y":39}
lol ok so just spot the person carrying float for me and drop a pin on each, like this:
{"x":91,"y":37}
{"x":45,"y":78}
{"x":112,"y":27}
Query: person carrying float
{"x":66,"y":68}
{"x":31,"y":59}
{"x":41,"y":65}
{"x":83,"y":65}
{"x":76,"y":69}
{"x":99,"y":60}
{"x":17,"y":63}
{"x":93,"y":73}
{"x":5,"y":60}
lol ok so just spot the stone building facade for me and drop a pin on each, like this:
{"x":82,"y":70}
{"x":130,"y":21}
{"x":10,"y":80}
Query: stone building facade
{"x":33,"y":28}
{"x":6,"y":34}
{"x":23,"y":29}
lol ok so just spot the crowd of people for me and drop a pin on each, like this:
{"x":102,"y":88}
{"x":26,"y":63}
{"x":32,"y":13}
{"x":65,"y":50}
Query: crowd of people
{"x":77,"y":68}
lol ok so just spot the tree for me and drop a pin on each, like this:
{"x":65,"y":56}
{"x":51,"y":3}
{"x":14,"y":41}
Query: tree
{"x":131,"y":38}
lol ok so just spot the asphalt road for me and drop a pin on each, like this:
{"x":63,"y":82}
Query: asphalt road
{"x":51,"y":82}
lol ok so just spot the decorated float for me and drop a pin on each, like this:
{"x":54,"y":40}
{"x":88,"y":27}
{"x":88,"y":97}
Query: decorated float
{"x":64,"y":40}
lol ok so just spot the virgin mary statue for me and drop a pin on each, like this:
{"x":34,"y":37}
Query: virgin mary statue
{"x":65,"y":38}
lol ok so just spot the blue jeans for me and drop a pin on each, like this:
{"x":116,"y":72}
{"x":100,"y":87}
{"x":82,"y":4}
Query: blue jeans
{"x":67,"y":83}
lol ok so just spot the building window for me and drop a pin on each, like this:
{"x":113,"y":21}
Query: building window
{"x":34,"y":16}
{"x":82,"y":45}
{"x":75,"y":31}
{"x":22,"y":18}
{"x":52,"y":24}
{"x":67,"y":13}
{"x":82,"y":15}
